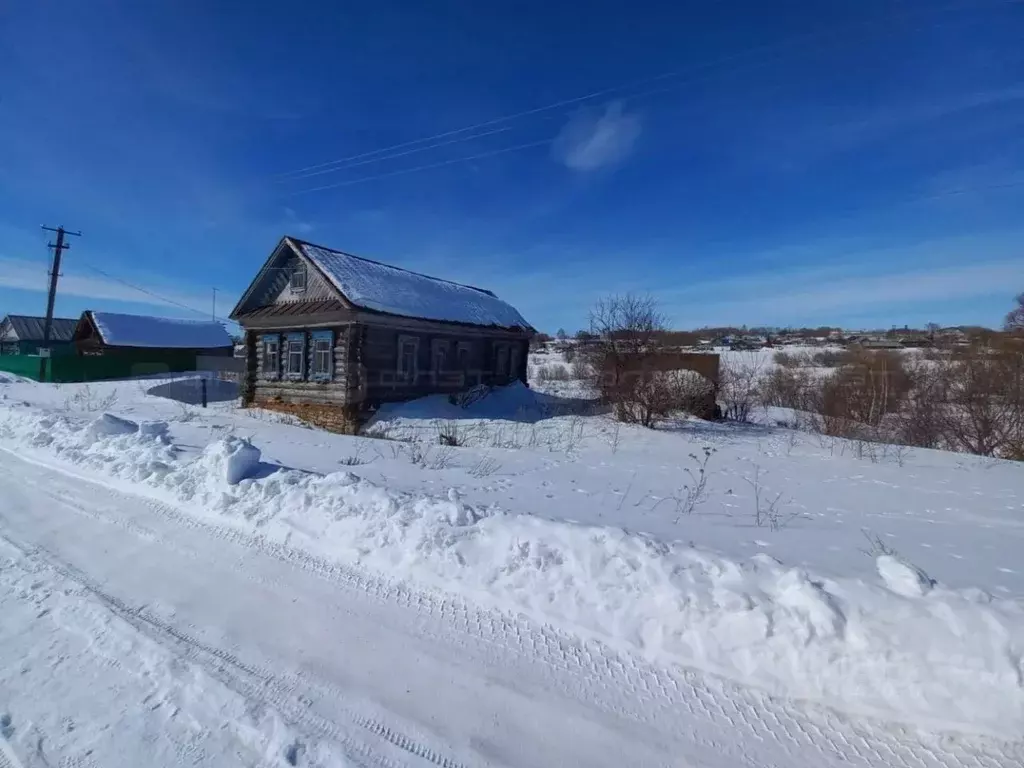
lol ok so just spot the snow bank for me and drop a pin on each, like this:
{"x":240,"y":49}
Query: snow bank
{"x":902,"y":647}
{"x":512,"y":403}
{"x":108,"y":425}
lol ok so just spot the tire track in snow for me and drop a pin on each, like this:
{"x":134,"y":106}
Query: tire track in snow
{"x":253,"y":682}
{"x":7,"y":757}
{"x":581,"y":669}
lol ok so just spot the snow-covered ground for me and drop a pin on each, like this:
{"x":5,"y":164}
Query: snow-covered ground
{"x":702,"y":594}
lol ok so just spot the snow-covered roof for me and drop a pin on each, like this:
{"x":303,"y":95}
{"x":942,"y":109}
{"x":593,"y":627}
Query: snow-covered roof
{"x":29,"y":328}
{"x":119,"y":330}
{"x":396,"y":291}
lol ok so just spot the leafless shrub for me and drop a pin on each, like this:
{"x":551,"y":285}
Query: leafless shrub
{"x":986,"y":392}
{"x":384,"y":430}
{"x":442,"y":458}
{"x":855,"y":401}
{"x":625,"y":340}
{"x":451,"y":433}
{"x":657,"y":394}
{"x":616,"y":429}
{"x":485,"y":466}
{"x":573,"y":434}
{"x":786,"y":388}
{"x":785,"y":359}
{"x":877,"y":546}
{"x":88,"y":399}
{"x":829,"y":358}
{"x":766,"y":506}
{"x":740,"y":385}
{"x":357,"y":459}
{"x":427,"y":457}
{"x":580,"y":369}
{"x":694,"y":492}
{"x":920,"y":421}
{"x":553,"y":372}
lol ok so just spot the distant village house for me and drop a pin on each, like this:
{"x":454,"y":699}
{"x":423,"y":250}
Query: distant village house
{"x":23,"y":335}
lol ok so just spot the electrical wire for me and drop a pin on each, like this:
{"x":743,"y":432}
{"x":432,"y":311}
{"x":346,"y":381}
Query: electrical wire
{"x":387,"y":153}
{"x":152,"y":294}
{"x":403,"y":171}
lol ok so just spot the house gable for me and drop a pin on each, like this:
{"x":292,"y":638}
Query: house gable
{"x":7,"y":330}
{"x":272,"y":284}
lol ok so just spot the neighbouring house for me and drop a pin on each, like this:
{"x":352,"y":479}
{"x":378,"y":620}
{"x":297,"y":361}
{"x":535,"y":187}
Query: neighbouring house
{"x":23,"y":335}
{"x":331,"y":336}
{"x":881,"y":343}
{"x":158,"y":343}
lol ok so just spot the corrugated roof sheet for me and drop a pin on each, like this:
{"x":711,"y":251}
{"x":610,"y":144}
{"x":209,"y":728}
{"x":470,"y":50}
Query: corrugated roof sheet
{"x":29,"y":328}
{"x":396,"y":291}
{"x":119,"y":330}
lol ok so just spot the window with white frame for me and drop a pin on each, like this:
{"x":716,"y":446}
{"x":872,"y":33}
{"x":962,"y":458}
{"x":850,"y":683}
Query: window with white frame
{"x":464,"y":355}
{"x":501,"y":360}
{"x":439,"y":356}
{"x":298,"y":279}
{"x":408,"y":352}
{"x":513,"y":360}
{"x":295,"y":357}
{"x":323,"y":355}
{"x":270,"y":367}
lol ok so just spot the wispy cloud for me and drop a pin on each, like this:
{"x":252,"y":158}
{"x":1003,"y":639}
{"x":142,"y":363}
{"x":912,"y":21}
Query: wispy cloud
{"x":591,"y":141}
{"x":300,"y":225}
{"x":26,"y":275}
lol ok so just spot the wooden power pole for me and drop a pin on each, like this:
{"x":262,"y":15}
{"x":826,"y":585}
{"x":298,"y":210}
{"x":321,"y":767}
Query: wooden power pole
{"x":58,"y":248}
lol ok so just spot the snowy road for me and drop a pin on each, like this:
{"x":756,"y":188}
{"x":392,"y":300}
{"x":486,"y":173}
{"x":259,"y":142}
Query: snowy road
{"x":171,"y":642}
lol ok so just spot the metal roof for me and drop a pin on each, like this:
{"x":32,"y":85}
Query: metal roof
{"x":396,"y":291}
{"x":120,"y":330}
{"x":28,"y":328}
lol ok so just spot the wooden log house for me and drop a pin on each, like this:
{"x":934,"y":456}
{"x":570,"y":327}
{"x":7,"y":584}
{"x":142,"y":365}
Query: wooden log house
{"x":330,"y":336}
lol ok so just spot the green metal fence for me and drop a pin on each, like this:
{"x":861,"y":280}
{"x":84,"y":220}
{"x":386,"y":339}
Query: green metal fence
{"x":20,"y":365}
{"x":99,"y":368}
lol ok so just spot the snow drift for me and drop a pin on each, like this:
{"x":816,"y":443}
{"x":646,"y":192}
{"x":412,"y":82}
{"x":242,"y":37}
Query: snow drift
{"x":903,"y":647}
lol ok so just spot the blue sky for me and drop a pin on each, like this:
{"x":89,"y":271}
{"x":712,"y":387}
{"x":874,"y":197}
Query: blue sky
{"x":745,"y":162}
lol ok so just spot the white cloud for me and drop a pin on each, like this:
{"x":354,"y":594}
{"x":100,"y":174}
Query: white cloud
{"x":300,"y":225}
{"x":590,"y":141}
{"x":26,"y":275}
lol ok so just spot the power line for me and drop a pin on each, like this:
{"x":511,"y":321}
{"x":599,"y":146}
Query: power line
{"x":297,"y":175}
{"x":404,"y":171}
{"x":387,"y":153}
{"x":150,"y":293}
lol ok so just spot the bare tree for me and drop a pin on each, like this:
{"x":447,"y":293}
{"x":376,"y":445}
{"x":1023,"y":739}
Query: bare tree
{"x":986,"y":392}
{"x":740,"y":385}
{"x":1015,"y":317}
{"x":622,"y":348}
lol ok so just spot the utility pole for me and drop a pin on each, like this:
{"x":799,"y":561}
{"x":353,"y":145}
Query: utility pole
{"x":58,"y":248}
{"x":213,"y":314}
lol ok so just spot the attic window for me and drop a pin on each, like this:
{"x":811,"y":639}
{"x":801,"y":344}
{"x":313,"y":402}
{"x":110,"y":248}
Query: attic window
{"x":298,"y":281}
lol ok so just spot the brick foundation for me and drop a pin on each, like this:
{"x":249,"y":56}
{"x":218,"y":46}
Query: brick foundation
{"x":333,"y":418}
